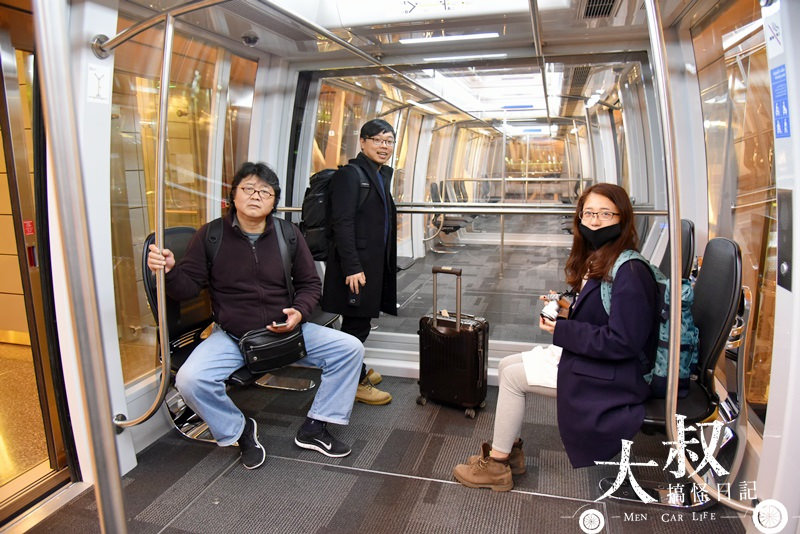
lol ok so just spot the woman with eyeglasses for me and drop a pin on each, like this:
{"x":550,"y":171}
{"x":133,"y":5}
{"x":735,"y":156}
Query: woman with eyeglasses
{"x":600,"y":390}
{"x":361,"y":273}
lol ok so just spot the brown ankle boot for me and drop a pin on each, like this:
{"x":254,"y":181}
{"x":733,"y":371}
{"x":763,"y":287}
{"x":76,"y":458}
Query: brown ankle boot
{"x":485,"y":473}
{"x":516,"y":458}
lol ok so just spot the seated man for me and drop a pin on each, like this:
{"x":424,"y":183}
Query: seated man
{"x":248,"y":290}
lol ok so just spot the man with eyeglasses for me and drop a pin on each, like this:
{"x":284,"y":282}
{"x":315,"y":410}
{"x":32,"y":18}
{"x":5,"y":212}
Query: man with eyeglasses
{"x":361,"y":273}
{"x":248,"y":289}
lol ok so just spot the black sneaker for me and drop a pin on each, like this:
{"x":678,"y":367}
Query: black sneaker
{"x":322,"y":441}
{"x":253,"y":454}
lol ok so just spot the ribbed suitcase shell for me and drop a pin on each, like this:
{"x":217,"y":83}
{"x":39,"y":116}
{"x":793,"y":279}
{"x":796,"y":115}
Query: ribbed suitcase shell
{"x":453,"y":362}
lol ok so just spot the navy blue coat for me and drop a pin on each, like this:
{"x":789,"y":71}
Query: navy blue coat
{"x":601,"y":389}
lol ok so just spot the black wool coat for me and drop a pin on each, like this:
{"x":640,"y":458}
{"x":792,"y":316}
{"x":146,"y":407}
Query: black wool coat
{"x":601,"y":390}
{"x":357,"y":242}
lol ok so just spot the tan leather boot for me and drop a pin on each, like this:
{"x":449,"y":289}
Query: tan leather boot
{"x":369,"y":394}
{"x":516,"y":458}
{"x":485,"y":473}
{"x":374,"y":377}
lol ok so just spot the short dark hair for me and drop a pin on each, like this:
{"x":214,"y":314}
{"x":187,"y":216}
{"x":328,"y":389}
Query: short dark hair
{"x":260,"y":171}
{"x":375,"y":127}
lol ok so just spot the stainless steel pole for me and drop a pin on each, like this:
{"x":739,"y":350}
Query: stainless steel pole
{"x":53,"y":62}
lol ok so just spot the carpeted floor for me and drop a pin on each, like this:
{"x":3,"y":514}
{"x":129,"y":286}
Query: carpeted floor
{"x":397,"y":479}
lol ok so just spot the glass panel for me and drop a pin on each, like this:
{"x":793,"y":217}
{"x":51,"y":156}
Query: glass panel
{"x":191,"y":146}
{"x":504,"y":291}
{"x":469,"y":160}
{"x":339,"y":119}
{"x":534,"y":170}
{"x":734,"y":80}
{"x":24,"y":455}
{"x":237,"y":119}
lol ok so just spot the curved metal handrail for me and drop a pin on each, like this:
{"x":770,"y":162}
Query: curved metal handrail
{"x":161,"y":164}
{"x":438,"y":231}
{"x":102,"y":45}
{"x":661,"y":77}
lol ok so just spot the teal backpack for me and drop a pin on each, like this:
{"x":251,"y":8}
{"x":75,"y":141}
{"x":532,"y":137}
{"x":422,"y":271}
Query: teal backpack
{"x":657,"y":376}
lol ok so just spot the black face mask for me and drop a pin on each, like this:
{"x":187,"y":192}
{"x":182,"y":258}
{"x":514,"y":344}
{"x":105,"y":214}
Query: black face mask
{"x":601,"y":236}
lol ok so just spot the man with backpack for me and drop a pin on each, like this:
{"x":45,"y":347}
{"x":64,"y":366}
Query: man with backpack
{"x":248,"y":286}
{"x":361,"y":272}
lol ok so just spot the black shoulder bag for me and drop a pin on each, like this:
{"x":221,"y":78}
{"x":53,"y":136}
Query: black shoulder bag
{"x":262,"y":349}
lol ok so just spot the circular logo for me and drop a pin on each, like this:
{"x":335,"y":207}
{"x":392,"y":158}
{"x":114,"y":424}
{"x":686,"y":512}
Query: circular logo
{"x":591,"y":521}
{"x":770,"y":516}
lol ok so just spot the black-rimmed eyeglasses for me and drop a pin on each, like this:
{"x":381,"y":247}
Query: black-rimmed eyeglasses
{"x":262,"y":193}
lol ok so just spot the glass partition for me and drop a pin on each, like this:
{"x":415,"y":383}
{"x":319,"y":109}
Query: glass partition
{"x":734,"y":80}
{"x":508,"y":260}
{"x":339,"y":119}
{"x":197,"y":157}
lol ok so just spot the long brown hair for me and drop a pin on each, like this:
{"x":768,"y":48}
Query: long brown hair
{"x":583,"y":261}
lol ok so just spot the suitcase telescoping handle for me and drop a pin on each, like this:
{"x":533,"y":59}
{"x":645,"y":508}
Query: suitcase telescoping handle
{"x":448,"y":270}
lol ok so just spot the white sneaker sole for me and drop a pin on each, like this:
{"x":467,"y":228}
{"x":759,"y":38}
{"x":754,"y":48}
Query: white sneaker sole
{"x":260,"y":446}
{"x":322,"y":450}
{"x":259,"y":464}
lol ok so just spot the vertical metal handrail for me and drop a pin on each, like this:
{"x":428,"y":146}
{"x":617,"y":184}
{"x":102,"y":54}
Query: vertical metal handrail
{"x":53,"y":63}
{"x":741,"y":364}
{"x":161,"y":164}
{"x":658,"y":49}
{"x":590,"y":143}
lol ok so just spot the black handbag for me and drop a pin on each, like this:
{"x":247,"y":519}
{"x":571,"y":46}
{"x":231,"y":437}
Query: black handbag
{"x":265,"y":351}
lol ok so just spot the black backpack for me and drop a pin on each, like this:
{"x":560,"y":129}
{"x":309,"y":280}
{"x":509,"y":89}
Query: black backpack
{"x":317,"y":211}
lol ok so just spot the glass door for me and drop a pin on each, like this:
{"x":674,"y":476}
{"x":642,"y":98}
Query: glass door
{"x":33,"y":455}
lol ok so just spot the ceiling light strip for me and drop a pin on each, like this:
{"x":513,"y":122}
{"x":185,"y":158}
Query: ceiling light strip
{"x":464,"y":58}
{"x":449,"y":38}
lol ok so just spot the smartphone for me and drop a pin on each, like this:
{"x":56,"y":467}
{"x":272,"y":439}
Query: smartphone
{"x":278,"y":325}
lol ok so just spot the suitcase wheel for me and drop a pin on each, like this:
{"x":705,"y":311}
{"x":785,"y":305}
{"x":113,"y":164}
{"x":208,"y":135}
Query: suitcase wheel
{"x":469,"y":412}
{"x":482,"y":404}
{"x":421,"y":400}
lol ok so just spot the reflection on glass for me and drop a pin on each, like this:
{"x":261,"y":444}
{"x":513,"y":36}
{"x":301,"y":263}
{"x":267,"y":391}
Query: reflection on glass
{"x":237,"y":120}
{"x":192,"y":145}
{"x":535,"y":170}
{"x":339,"y":119}
{"x":739,"y":146}
{"x":23,"y":445}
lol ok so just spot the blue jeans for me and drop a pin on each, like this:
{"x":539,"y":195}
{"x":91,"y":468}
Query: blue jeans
{"x":201,"y":379}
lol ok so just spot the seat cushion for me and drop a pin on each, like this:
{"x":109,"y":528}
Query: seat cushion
{"x":697,"y":406}
{"x":241,"y":377}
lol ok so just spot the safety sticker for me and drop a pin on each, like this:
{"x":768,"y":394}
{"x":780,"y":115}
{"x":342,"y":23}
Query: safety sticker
{"x":780,"y":102}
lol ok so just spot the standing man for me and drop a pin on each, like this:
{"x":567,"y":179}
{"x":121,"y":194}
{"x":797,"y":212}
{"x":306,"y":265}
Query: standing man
{"x":361,"y":274}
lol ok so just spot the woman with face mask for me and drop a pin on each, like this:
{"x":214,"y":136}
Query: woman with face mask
{"x":600,"y":390}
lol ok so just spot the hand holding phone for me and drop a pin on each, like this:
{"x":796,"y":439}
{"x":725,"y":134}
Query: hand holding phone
{"x":278,"y":325}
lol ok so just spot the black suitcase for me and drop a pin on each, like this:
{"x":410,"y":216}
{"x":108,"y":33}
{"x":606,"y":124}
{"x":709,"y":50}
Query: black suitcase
{"x":453,"y":355}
